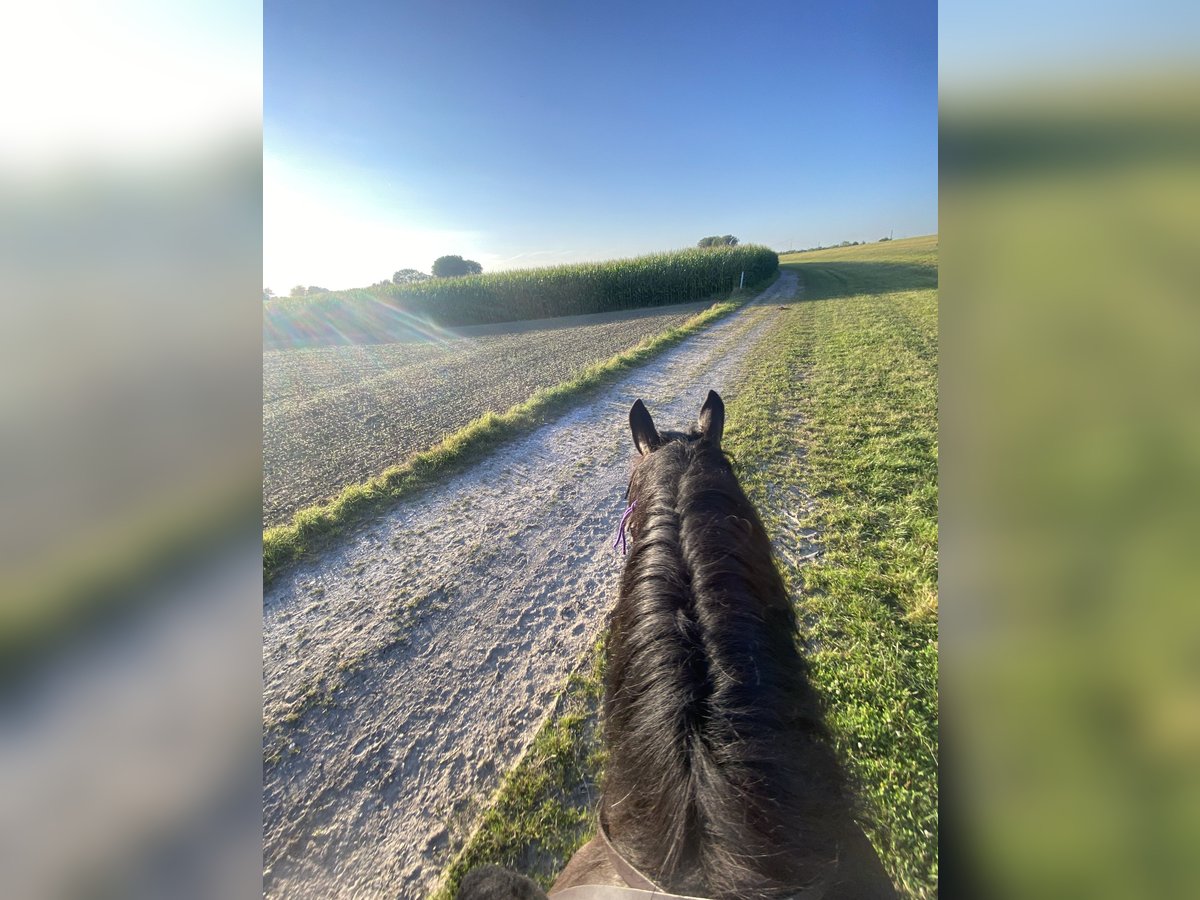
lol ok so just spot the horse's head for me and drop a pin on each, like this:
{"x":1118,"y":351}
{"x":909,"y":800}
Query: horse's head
{"x":647,"y":438}
{"x":664,"y":455}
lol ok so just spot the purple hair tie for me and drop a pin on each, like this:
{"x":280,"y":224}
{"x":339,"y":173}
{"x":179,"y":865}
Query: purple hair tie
{"x":620,"y":538}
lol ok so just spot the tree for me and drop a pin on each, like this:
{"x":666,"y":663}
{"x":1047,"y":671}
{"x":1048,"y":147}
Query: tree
{"x":718,"y":240}
{"x":409,"y":276}
{"x":268,"y":293}
{"x":313,"y":289}
{"x":298,"y":291}
{"x":453,"y":266}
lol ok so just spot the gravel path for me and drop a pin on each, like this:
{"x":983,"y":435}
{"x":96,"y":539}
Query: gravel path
{"x":334,"y":416}
{"x":444,"y":632}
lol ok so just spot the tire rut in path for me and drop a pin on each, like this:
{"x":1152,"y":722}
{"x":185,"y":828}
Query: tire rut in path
{"x":450,"y":625}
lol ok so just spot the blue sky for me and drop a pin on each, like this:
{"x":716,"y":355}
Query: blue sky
{"x":523,"y":134}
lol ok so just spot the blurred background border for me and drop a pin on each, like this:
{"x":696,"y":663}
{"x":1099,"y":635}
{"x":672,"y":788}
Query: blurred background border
{"x":130,"y":240}
{"x":130,"y":449}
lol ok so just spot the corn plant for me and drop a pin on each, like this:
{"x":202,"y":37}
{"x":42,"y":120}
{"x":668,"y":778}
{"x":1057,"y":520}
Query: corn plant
{"x":392,"y":310}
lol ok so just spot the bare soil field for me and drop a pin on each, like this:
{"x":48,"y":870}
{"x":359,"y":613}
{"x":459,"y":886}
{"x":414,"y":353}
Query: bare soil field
{"x":334,"y":416}
{"x":406,"y":671}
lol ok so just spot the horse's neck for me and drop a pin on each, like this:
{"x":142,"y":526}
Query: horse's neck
{"x":712,"y":722}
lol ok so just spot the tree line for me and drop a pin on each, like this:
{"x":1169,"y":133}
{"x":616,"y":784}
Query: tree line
{"x":452,"y":266}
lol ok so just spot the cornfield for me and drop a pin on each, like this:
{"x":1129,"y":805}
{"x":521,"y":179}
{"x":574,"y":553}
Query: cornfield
{"x":398,"y":310}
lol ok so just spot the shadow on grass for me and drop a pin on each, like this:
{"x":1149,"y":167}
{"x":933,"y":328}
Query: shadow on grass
{"x":834,"y":280}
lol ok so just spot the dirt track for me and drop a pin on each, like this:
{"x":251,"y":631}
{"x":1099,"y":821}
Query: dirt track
{"x":406,"y":672}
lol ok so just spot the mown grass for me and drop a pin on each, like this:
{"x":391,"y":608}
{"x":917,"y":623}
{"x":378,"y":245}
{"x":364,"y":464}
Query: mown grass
{"x":842,"y":399}
{"x":839,"y":400}
{"x":312,"y":528}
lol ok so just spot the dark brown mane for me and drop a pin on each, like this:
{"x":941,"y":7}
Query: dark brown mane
{"x":720,"y":779}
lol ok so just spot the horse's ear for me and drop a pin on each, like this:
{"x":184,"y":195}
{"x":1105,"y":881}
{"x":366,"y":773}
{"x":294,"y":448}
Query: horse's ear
{"x":712,"y":418}
{"x":645,"y":435}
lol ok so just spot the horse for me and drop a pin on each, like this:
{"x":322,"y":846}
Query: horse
{"x":721,"y":780}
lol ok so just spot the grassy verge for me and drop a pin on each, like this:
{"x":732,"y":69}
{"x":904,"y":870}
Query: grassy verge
{"x":840,"y":398}
{"x":313,"y":527}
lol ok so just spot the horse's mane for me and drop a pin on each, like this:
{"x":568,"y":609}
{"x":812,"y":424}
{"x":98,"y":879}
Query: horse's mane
{"x":720,"y":775}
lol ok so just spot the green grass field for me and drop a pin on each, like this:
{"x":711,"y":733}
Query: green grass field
{"x":840,"y":400}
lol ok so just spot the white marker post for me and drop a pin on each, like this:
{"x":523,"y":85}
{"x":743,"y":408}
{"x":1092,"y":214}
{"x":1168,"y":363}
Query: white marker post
{"x":742,"y":283}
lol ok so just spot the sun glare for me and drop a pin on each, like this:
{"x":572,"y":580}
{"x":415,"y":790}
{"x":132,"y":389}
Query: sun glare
{"x":318,"y":233}
{"x":127,"y":80}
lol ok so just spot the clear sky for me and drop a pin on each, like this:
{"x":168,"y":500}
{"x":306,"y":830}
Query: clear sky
{"x":532,"y":133}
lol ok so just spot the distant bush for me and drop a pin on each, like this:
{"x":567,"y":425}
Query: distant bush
{"x":410,"y":276}
{"x":831,"y":246}
{"x":455,"y":267}
{"x":302,"y":291}
{"x":385,"y":310}
{"x":723,"y":240}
